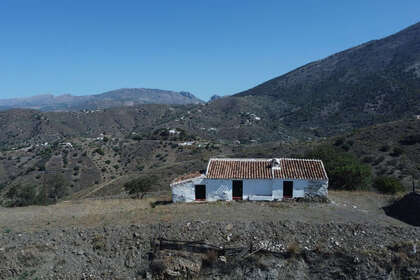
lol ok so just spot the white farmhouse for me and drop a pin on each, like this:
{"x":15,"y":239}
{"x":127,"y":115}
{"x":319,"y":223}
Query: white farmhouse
{"x":253,"y":179}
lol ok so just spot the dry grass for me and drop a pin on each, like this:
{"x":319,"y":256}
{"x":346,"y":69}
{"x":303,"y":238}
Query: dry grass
{"x":358,"y":207}
{"x":293,"y":249}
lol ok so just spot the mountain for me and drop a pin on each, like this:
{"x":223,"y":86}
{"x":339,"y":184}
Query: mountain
{"x":374,"y":82}
{"x":115,"y":98}
{"x":214,"y":97}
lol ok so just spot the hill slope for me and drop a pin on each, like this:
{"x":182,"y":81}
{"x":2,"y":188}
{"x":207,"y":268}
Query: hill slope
{"x":376,"y":81}
{"x":115,"y":98}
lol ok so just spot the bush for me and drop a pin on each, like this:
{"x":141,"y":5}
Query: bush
{"x":140,"y":185}
{"x":99,"y":151}
{"x":293,"y":249}
{"x":339,"y":141}
{"x":384,"y":148}
{"x":396,"y":152}
{"x":378,"y":160}
{"x":344,"y":170}
{"x":389,"y":185}
{"x":410,"y":139}
{"x":22,"y":195}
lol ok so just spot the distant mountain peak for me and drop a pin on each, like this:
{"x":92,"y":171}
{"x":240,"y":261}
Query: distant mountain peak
{"x":115,"y":98}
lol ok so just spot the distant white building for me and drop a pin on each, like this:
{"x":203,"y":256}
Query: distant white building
{"x":253,"y":179}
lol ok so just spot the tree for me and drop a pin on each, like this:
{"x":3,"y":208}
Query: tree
{"x":21,"y":195}
{"x":386,"y":184}
{"x":54,"y":187}
{"x":344,"y":170}
{"x":140,"y":186}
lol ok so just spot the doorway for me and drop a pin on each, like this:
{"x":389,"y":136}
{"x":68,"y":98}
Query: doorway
{"x":237,"y":190}
{"x":288,"y":189}
{"x":200,"y":192}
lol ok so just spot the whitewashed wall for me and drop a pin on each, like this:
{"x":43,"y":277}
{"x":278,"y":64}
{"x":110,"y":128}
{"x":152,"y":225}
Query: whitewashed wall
{"x":299,"y":187}
{"x":185,"y":192}
{"x":317,"y":188}
{"x":221,"y":189}
{"x":257,"y":189}
{"x":218,"y":189}
{"x":277,"y":189}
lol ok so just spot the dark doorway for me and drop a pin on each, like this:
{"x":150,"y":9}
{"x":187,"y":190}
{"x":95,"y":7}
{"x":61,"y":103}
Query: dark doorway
{"x":200,"y":192}
{"x":288,"y":189}
{"x":237,"y":190}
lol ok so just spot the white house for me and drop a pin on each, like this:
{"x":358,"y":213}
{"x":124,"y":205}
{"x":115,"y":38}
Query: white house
{"x":253,"y":179}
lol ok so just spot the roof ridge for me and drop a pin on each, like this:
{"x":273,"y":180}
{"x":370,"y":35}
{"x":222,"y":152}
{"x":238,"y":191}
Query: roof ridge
{"x":241,"y":159}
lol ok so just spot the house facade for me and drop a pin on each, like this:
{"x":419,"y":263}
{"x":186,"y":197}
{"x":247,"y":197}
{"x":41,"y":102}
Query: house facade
{"x":253,"y":179}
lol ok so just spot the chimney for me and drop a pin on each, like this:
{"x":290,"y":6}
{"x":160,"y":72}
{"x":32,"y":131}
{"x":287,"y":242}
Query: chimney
{"x":275,"y":162}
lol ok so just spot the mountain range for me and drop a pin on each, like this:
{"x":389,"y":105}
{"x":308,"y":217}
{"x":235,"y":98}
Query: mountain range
{"x":115,"y":98}
{"x":375,"y":82}
{"x":365,"y":100}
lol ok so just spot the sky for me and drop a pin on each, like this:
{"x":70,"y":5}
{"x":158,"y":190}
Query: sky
{"x":204,"y":47}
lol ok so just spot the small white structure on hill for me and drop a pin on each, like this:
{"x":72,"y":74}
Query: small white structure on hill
{"x":253,"y":179}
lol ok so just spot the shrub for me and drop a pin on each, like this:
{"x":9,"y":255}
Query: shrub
{"x":339,"y":141}
{"x":157,"y":267}
{"x":396,"y":152}
{"x":140,"y":185}
{"x":293,"y":250}
{"x":386,"y":184}
{"x":384,"y":148}
{"x":99,"y":151}
{"x":22,"y":195}
{"x":367,"y":159}
{"x":344,"y":170}
{"x":378,"y":160}
{"x":210,"y":259}
{"x":410,"y":139}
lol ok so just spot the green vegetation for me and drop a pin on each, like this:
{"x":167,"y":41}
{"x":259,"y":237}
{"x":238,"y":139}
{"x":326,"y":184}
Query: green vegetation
{"x":22,"y":195}
{"x":344,"y":170}
{"x":389,"y":185}
{"x":99,"y":151}
{"x":140,"y":185}
{"x":54,"y":188}
{"x":410,"y":139}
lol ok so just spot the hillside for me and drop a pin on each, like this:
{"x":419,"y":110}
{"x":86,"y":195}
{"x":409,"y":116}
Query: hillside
{"x":374,"y":82}
{"x":391,"y":149}
{"x":115,"y":98}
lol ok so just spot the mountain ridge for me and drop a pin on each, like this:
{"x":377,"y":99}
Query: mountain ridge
{"x":109,"y":99}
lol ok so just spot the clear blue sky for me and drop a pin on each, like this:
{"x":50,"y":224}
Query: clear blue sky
{"x":205,"y":47}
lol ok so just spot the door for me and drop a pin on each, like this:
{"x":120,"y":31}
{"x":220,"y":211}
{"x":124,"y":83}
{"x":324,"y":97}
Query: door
{"x":288,"y":189}
{"x":237,"y":190}
{"x":200,"y":192}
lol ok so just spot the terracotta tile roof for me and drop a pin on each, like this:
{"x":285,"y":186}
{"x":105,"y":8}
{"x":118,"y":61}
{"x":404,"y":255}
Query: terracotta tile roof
{"x":239,"y":169}
{"x":186,"y":177}
{"x":288,"y":168}
{"x":308,"y":169}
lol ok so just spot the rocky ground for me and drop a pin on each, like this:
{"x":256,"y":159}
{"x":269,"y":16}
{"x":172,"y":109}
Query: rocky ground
{"x":339,"y":240}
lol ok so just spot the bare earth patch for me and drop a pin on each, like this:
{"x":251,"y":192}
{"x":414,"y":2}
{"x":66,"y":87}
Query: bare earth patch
{"x":345,"y":207}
